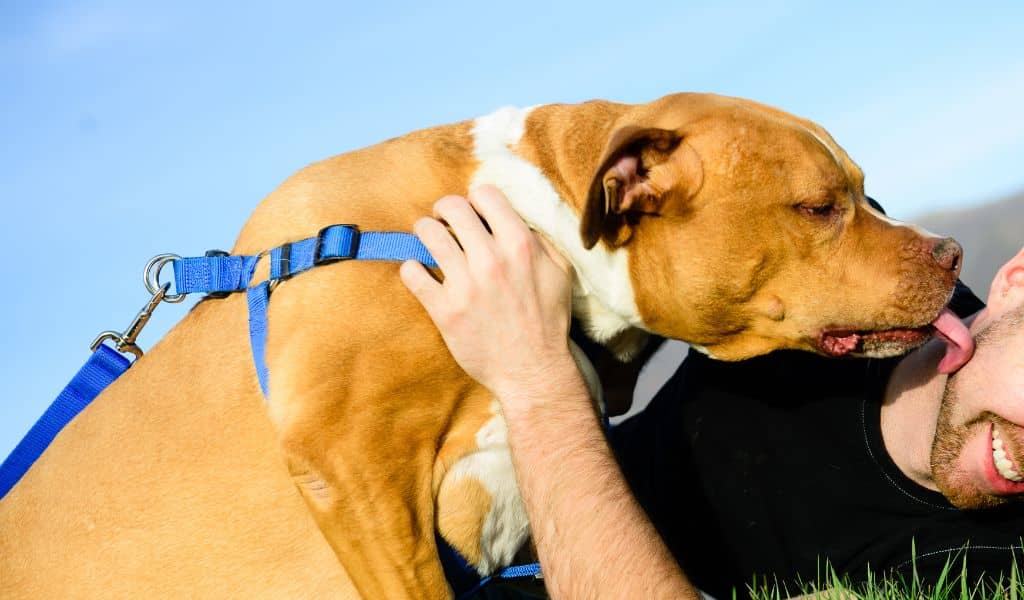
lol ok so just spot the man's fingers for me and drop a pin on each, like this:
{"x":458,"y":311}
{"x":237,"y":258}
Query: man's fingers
{"x":426,"y":289}
{"x":508,"y":227}
{"x":442,"y":246}
{"x":465,"y":223}
{"x":494,"y":207}
{"x":560,"y":261}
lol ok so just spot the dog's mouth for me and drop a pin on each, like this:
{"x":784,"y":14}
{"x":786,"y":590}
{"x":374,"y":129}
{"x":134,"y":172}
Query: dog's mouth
{"x":894,"y":342}
{"x":874,"y":344}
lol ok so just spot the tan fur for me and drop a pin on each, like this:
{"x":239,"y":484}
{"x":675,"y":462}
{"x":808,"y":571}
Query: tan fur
{"x":175,"y":482}
{"x":169,"y":485}
{"x":468,"y":502}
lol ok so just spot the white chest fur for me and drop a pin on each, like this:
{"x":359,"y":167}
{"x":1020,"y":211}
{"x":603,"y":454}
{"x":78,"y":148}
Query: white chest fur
{"x":603,"y":301}
{"x":603,"y":295}
{"x":505,"y":527}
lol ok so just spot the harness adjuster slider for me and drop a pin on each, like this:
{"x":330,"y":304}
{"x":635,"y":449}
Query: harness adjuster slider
{"x":285,"y":262}
{"x":353,"y":246}
{"x":217,"y":254}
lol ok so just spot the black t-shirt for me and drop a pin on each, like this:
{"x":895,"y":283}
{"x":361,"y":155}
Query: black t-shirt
{"x":770,"y":467}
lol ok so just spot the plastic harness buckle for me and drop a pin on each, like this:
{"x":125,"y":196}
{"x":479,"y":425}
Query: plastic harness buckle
{"x":353,"y":246}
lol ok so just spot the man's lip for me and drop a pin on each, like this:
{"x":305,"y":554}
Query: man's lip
{"x":1000,"y":485}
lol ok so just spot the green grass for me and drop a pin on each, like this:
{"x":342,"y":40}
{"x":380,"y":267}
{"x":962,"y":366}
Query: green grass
{"x":953,"y":584}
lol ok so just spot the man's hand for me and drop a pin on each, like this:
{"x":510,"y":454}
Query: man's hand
{"x":503,"y":308}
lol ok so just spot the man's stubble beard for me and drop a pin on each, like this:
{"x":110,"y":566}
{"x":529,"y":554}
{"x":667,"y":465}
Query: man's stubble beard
{"x":950,"y":439}
{"x":952,"y":481}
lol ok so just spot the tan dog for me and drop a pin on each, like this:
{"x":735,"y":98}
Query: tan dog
{"x":725,"y":223}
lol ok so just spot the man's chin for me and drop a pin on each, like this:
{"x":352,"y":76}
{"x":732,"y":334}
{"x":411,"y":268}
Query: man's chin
{"x":965,"y":497}
{"x":964,"y":493}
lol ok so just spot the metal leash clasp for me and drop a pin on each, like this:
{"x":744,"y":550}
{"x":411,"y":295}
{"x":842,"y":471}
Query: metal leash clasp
{"x":125,"y":342}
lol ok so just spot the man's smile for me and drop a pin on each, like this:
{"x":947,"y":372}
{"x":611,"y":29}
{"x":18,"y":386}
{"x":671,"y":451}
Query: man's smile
{"x":1001,"y":470}
{"x":1001,"y":458}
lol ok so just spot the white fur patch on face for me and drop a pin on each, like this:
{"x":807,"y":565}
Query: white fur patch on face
{"x":921,"y":231}
{"x":835,"y":156}
{"x":505,"y":527}
{"x":831,"y":150}
{"x":603,"y":297}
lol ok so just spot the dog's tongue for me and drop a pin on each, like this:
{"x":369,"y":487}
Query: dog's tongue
{"x":958,"y":340}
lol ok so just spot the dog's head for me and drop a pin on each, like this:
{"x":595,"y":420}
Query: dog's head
{"x":748,"y":230}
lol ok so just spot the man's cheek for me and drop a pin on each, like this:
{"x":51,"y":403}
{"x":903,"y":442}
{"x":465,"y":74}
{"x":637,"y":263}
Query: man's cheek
{"x":1010,"y":408}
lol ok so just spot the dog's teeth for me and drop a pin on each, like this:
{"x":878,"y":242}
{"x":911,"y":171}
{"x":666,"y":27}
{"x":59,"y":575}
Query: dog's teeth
{"x":997,"y":444}
{"x":1003,"y":464}
{"x":1000,"y":456}
{"x":995,"y":432}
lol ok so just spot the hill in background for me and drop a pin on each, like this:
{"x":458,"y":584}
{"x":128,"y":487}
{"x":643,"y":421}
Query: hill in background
{"x":990,"y":234}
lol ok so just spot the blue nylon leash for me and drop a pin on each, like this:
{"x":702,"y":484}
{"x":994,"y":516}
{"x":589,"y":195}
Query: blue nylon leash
{"x":219,"y":274}
{"x":103,"y":367}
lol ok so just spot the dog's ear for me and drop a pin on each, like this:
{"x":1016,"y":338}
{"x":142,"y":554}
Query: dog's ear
{"x":628,"y":183}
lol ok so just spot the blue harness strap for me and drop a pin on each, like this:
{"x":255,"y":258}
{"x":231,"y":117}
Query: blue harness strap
{"x":218,"y":273}
{"x":465,"y":580}
{"x":531,"y":571}
{"x":257,"y":298}
{"x":103,"y":367}
{"x":214,"y":273}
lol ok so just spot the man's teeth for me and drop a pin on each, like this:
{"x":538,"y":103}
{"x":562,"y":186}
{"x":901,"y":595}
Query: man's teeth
{"x":1003,"y":464}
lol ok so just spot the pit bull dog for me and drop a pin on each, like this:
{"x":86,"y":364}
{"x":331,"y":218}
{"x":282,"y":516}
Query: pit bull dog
{"x":731,"y":225}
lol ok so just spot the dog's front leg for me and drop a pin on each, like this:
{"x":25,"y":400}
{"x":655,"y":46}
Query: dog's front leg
{"x":362,"y":395}
{"x":370,"y":496}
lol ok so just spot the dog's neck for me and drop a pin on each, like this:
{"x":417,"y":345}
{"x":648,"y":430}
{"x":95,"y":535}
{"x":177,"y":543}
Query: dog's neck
{"x":603,"y":298}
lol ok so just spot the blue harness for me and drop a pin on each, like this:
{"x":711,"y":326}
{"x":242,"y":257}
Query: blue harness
{"x":219,"y":274}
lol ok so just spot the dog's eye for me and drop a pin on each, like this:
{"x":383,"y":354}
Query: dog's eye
{"x":818,"y":211}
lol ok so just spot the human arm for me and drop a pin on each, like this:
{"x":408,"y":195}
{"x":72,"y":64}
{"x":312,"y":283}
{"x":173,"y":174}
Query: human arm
{"x":593,"y":538}
{"x":503,"y":309}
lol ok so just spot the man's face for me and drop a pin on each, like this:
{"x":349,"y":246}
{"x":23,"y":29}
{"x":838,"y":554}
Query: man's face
{"x":978,"y":453}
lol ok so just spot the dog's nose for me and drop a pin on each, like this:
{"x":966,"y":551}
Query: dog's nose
{"x":949,"y":254}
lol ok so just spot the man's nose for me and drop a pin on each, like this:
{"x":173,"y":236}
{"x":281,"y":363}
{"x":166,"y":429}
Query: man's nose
{"x":948,"y":254}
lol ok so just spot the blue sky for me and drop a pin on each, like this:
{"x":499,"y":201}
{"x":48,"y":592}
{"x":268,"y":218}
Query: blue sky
{"x":131,"y":129}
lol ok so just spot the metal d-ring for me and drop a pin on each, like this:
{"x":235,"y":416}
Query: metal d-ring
{"x":151,"y":276}
{"x":273,"y":283}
